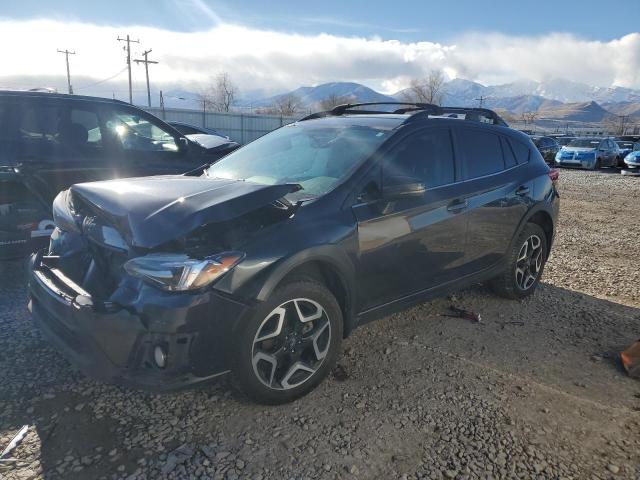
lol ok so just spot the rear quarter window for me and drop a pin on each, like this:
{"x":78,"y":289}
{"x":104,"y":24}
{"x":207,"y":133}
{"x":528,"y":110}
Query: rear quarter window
{"x":520,"y":150}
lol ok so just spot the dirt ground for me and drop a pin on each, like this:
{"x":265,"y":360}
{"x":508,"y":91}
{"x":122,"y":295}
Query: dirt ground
{"x":534,"y":391}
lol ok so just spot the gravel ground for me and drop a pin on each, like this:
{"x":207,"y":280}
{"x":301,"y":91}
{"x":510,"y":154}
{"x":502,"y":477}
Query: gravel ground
{"x":535,"y":390}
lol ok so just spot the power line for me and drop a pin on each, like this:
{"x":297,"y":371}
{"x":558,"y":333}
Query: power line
{"x":146,"y":62}
{"x":128,"y":49}
{"x":66,"y":54}
{"x":101,"y":81}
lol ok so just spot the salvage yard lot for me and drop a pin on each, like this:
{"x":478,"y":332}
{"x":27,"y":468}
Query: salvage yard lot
{"x":534,"y":390}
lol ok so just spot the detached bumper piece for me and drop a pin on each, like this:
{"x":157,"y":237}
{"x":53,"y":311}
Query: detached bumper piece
{"x":162,"y":348}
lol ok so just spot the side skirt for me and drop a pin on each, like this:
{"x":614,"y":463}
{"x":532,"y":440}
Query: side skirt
{"x":423,"y":296}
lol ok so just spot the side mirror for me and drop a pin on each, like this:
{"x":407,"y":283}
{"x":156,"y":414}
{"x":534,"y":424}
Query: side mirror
{"x":183,"y":143}
{"x":402,"y":187}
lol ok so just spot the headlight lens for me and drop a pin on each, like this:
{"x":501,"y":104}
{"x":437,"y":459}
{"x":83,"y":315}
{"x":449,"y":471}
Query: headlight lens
{"x":63,"y":214}
{"x":179,"y":272}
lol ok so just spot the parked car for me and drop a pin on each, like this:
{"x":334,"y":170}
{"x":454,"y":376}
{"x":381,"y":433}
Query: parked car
{"x":626,"y":147}
{"x":564,"y":140}
{"x":189,"y":129}
{"x":262,"y":265}
{"x":548,"y":148}
{"x":214,"y":143}
{"x":50,"y":141}
{"x":632,"y":161}
{"x":589,"y":152}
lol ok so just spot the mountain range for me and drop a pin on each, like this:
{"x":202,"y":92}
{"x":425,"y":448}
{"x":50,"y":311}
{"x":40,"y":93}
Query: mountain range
{"x":553,"y":99}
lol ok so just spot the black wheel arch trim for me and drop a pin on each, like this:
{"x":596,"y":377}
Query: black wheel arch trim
{"x":330,"y":255}
{"x":541,"y":207}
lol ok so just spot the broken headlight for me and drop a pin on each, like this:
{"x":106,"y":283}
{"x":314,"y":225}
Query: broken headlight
{"x":63,"y":214}
{"x":179,"y":272}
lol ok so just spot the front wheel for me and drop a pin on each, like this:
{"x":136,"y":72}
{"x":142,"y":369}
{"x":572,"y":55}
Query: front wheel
{"x":525,"y":264}
{"x":290,"y":344}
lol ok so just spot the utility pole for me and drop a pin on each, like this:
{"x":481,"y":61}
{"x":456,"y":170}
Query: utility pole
{"x":480,"y":100}
{"x":128,"y":49}
{"x":66,"y":54}
{"x":146,"y":62}
{"x":623,"y":121}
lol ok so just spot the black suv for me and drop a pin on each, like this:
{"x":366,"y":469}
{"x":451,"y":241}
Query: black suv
{"x":548,"y":148}
{"x":278,"y":251}
{"x":50,"y":141}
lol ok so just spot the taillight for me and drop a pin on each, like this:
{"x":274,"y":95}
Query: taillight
{"x":554,"y":175}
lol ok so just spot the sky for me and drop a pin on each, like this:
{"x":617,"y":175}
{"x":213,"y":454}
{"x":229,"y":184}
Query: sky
{"x":280,"y":45}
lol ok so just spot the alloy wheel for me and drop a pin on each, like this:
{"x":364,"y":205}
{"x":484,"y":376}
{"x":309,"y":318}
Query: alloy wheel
{"x":529,"y":262}
{"x":291,"y":344}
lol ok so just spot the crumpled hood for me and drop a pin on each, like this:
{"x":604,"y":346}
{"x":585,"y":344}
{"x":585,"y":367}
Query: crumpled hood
{"x":150,"y":211}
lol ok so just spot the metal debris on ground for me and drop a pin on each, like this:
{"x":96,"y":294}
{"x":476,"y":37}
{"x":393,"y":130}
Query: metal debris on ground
{"x":179,"y":455}
{"x":631,"y":360}
{"x":466,"y":314}
{"x":340,"y":373}
{"x":15,"y":441}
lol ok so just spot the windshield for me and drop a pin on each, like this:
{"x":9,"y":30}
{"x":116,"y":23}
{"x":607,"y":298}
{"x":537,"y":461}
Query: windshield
{"x":584,"y":142}
{"x":315,"y":154}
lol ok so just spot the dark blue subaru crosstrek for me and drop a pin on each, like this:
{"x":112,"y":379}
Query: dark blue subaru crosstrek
{"x":263,"y":264}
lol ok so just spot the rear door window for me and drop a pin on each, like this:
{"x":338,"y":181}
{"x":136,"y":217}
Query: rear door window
{"x":481,"y":153}
{"x":52,"y":131}
{"x":426,"y":156}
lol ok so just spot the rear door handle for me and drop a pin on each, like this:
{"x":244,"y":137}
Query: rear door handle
{"x":522,"y":190}
{"x":457,"y":206}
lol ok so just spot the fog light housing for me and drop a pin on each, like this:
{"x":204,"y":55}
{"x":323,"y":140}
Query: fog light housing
{"x":160,"y":356}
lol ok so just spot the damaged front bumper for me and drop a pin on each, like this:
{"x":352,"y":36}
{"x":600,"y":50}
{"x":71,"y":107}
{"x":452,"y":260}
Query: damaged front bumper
{"x":119,"y":342}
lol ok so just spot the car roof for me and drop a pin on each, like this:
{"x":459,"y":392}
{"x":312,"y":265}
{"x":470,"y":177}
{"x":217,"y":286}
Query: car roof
{"x":416,"y":114}
{"x":396,"y":120}
{"x":61,"y":96}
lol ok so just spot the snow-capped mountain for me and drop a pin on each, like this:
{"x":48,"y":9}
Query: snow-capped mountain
{"x":549,"y":97}
{"x":311,"y":96}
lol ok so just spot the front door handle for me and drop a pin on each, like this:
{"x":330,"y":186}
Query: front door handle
{"x":457,"y":206}
{"x":522,"y":190}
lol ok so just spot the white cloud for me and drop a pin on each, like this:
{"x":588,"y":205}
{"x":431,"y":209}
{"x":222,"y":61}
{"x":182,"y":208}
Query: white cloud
{"x":272,"y":61}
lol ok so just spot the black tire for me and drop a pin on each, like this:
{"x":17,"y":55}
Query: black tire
{"x":509,"y":284}
{"x":306,"y":292}
{"x":597,"y":165}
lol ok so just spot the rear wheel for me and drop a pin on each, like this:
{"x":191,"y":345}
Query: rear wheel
{"x":290,"y":344}
{"x":525,"y":264}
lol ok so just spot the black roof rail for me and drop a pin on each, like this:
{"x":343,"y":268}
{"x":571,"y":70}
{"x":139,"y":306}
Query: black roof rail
{"x":342,"y":109}
{"x":350,"y":108}
{"x":470,"y":113}
{"x":420,"y":110}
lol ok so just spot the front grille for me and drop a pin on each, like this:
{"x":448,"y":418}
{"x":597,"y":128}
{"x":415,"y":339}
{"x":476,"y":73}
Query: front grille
{"x":95,"y":267}
{"x":106,"y":270}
